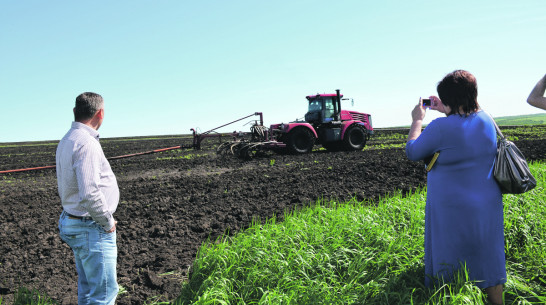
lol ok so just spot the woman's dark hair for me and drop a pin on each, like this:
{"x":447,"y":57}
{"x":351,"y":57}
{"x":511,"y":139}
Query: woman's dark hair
{"x":459,"y":91}
{"x":87,"y":104}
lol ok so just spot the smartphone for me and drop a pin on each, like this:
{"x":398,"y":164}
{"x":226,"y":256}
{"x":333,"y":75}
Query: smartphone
{"x":426,"y":102}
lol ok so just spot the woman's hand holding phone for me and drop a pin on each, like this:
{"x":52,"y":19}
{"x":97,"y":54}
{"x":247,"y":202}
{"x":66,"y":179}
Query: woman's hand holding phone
{"x":436,"y":104}
{"x":418,"y":113}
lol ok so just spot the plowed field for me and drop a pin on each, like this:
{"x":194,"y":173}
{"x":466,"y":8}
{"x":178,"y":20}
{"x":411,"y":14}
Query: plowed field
{"x":172,"y":202}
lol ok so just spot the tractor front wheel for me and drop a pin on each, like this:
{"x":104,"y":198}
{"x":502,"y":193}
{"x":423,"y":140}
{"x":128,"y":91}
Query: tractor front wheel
{"x":355,"y":138}
{"x":300,"y":141}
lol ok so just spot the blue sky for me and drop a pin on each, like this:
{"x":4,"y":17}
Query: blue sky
{"x":164,"y":67}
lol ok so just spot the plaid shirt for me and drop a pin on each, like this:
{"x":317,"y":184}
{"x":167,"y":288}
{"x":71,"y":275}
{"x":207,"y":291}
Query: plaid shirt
{"x":87,"y":185}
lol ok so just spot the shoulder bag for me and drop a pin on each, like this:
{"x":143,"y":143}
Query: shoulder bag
{"x":511,"y":170}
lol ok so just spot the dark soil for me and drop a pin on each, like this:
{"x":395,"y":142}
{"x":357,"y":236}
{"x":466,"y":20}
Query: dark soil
{"x":174,"y":201}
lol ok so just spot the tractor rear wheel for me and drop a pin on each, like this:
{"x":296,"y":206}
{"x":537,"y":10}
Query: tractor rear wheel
{"x":300,"y":141}
{"x":355,"y":138}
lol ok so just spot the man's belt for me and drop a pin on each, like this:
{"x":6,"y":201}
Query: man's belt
{"x":78,"y":217}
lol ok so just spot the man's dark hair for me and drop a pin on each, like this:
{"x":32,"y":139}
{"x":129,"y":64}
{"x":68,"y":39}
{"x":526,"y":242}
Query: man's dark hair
{"x":459,"y":91}
{"x":87,"y":104}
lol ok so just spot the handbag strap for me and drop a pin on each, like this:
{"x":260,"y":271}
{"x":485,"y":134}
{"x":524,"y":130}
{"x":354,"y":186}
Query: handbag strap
{"x":496,"y":126}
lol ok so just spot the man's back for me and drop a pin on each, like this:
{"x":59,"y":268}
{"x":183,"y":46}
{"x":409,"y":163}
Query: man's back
{"x":87,"y":185}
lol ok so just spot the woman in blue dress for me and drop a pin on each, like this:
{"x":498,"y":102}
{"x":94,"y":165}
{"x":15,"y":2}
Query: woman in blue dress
{"x":464,"y":210}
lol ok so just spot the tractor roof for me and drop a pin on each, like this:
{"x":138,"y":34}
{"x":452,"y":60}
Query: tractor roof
{"x":323,"y":95}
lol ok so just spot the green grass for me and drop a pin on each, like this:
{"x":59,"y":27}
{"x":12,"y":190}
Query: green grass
{"x":361,"y":253}
{"x":529,"y":119}
{"x":31,"y":144}
{"x":30,"y":297}
{"x":526,"y":119}
{"x":535,"y":132}
{"x":186,"y":157}
{"x":384,"y":146}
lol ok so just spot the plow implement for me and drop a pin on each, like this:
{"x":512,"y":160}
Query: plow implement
{"x":198,"y":138}
{"x":244,"y":148}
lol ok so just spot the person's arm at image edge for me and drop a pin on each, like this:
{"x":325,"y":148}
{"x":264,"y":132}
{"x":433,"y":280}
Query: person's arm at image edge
{"x":536,"y":98}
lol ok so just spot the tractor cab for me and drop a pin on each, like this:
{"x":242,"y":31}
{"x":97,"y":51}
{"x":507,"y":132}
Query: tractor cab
{"x":323,"y":108}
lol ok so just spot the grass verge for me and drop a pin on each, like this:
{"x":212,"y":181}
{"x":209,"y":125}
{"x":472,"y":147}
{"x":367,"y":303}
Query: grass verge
{"x":361,"y":253}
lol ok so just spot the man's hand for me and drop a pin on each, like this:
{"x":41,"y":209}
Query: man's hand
{"x":113,"y":228}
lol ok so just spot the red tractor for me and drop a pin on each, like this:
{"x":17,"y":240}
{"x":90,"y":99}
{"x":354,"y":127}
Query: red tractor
{"x":326,"y":124}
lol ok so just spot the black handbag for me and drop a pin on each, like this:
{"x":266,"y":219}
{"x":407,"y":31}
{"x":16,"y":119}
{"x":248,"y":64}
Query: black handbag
{"x":511,"y":170}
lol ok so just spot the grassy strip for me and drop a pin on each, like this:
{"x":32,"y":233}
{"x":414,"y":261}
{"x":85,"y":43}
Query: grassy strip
{"x":32,"y":144}
{"x":187,"y":157}
{"x":25,"y":296}
{"x":530,"y":119}
{"x":361,"y":253}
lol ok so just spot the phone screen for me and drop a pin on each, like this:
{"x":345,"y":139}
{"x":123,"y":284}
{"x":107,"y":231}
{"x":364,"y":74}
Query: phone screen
{"x":426,"y":102}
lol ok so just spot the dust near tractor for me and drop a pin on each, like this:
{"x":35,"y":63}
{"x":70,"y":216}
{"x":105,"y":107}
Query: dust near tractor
{"x":325,"y":123}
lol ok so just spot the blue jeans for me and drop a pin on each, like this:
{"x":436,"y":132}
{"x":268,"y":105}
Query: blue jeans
{"x":95,"y":253}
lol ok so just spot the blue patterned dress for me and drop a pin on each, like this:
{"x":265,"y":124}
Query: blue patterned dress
{"x":464,"y":211}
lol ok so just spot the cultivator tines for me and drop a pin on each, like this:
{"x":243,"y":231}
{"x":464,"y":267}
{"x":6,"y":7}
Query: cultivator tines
{"x":228,"y":148}
{"x":249,"y":150}
{"x":241,"y":149}
{"x":258,"y":133}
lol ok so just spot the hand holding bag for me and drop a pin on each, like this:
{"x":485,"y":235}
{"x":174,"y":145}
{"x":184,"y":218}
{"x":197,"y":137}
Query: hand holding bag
{"x":511,"y":170}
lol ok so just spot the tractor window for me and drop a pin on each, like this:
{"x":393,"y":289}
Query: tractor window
{"x":328,"y":108}
{"x":315,"y":106}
